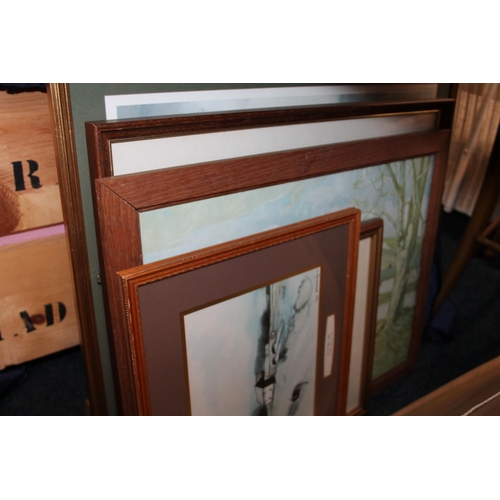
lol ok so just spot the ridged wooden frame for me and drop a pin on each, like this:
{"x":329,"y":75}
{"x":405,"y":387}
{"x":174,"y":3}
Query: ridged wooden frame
{"x":133,"y":279}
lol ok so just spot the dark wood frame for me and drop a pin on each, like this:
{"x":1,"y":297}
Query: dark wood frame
{"x":101,"y":134}
{"x":121,"y":199}
{"x":371,"y":229}
{"x":229,"y":269}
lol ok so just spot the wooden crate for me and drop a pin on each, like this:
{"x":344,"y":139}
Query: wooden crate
{"x":37,"y":306}
{"x":29,"y":190}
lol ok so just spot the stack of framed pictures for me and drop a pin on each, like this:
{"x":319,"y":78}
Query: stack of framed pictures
{"x":218,"y":231}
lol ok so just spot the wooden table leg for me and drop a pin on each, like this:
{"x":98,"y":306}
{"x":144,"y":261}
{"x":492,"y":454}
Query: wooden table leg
{"x":478,"y":221}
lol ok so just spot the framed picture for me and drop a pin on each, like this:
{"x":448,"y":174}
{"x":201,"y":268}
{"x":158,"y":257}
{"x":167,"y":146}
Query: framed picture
{"x":209,"y":101}
{"x":365,"y":316}
{"x":120,"y":147}
{"x":156,"y":213}
{"x":257,"y":326}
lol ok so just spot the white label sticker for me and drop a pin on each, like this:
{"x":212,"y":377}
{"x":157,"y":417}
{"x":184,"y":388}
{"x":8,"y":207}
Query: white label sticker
{"x":329,"y":343}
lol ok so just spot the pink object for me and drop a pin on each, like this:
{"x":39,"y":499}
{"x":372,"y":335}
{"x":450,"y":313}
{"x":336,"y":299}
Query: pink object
{"x":34,"y":234}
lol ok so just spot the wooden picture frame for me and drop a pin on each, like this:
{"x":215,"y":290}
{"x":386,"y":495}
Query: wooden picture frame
{"x":365,"y":316}
{"x":104,"y":135}
{"x":124,"y":201}
{"x":280,"y":303}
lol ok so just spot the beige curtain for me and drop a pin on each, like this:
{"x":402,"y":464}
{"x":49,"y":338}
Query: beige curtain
{"x":477,"y":115}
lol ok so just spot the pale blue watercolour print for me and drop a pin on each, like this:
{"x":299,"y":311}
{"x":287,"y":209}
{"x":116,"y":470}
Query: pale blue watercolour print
{"x":210,"y":101}
{"x":397,"y":192}
{"x":255,"y":354}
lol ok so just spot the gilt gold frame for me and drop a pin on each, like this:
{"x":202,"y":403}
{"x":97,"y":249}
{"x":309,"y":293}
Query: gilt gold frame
{"x":71,"y":200}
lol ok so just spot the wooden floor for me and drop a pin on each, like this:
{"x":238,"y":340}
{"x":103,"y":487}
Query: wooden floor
{"x":476,"y":393}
